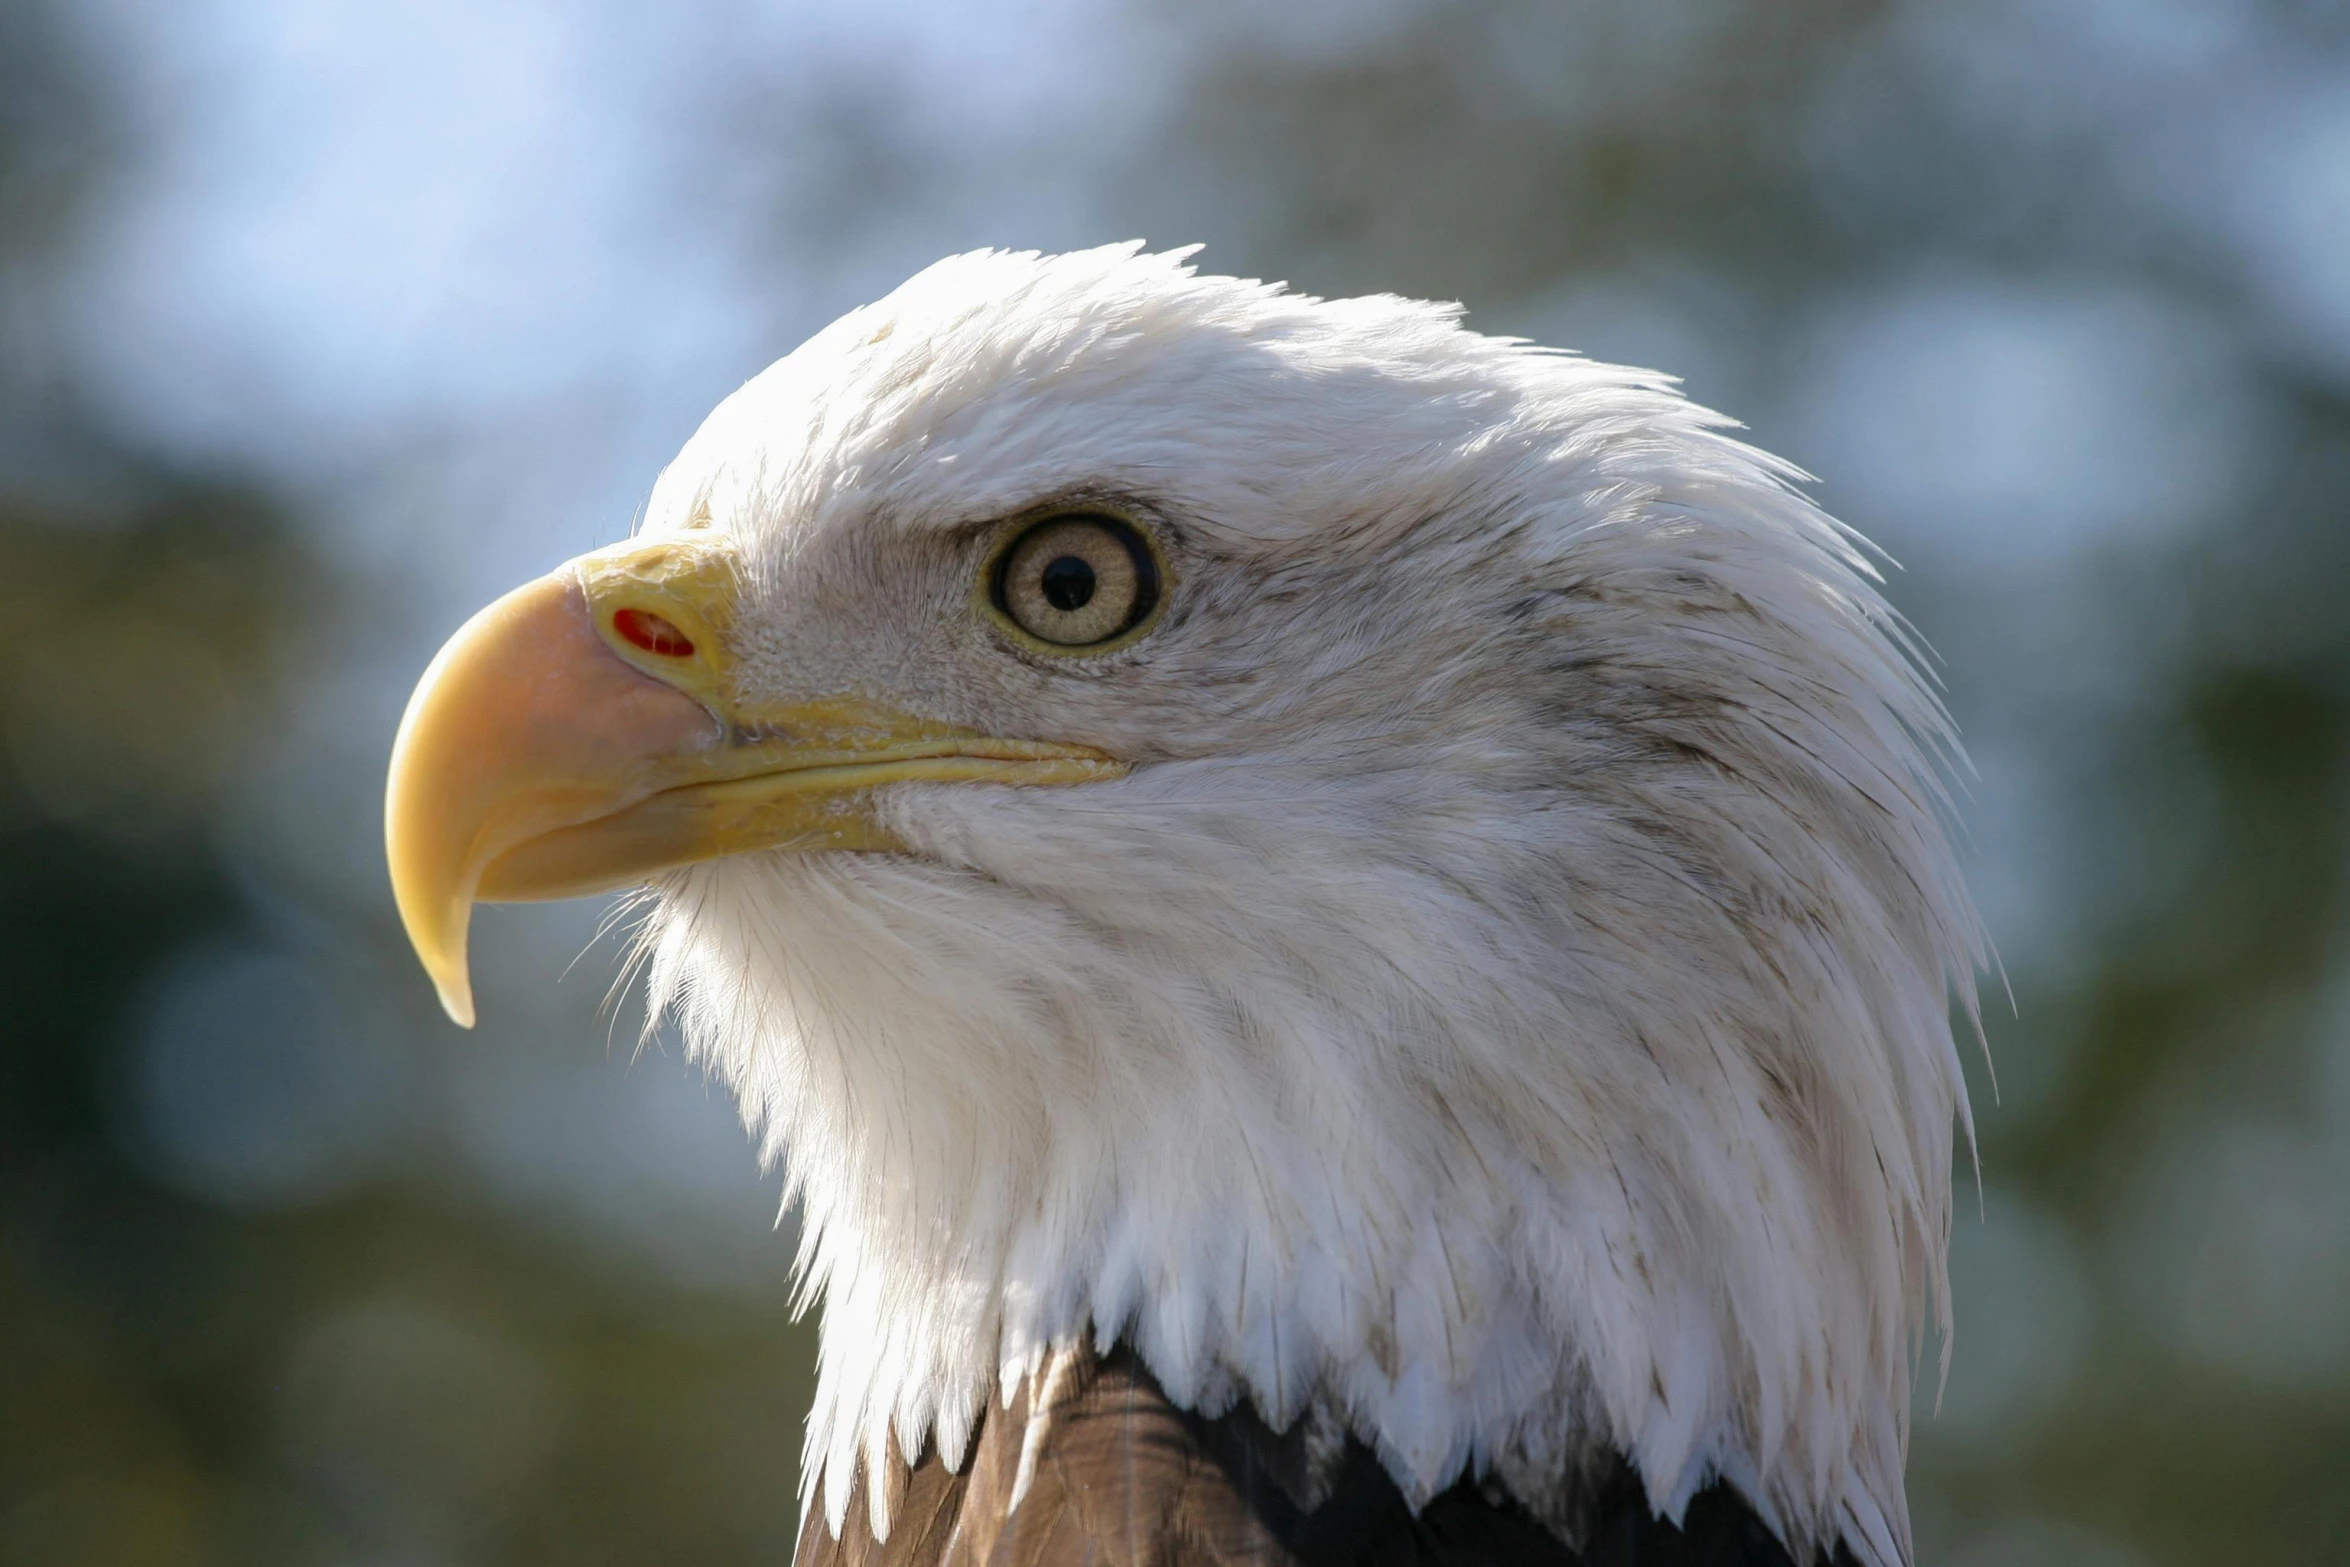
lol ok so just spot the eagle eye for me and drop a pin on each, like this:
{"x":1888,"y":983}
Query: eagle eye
{"x":1076,"y":581}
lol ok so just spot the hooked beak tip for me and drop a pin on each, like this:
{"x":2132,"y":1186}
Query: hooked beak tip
{"x":456,"y":999}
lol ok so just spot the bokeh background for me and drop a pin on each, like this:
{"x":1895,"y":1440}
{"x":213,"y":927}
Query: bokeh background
{"x":321,"y":321}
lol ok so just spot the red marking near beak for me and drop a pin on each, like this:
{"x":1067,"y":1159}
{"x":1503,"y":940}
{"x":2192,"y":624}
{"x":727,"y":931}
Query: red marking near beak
{"x":642,"y":628}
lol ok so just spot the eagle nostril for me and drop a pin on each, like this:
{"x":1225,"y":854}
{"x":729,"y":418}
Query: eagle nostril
{"x":642,"y":628}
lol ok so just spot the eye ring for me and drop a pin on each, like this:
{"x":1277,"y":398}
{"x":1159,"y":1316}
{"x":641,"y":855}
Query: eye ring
{"x":1075,"y":582}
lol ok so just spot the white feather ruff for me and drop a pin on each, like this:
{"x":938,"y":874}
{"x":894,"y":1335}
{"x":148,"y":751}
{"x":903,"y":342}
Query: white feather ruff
{"x":1504,"y":1010}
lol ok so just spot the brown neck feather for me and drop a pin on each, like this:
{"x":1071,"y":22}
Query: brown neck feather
{"x":1119,"y":1477}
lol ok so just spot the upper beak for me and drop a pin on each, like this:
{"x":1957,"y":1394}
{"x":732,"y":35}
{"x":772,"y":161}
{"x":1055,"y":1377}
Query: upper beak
{"x":584,"y":733}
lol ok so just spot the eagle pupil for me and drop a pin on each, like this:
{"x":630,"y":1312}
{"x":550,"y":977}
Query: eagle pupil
{"x":1067,"y":583}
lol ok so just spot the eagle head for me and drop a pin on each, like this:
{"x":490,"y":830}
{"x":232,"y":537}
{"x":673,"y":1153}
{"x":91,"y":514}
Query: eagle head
{"x":1398,"y":875}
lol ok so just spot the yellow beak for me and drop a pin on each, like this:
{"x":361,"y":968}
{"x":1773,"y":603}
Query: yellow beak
{"x":584,"y":733}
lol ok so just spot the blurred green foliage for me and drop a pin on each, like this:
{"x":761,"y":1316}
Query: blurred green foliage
{"x":393,"y":1375}
{"x":187,"y":1384}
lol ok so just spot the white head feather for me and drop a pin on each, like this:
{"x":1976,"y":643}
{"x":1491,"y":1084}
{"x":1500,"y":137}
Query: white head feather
{"x":1503,"y":1012}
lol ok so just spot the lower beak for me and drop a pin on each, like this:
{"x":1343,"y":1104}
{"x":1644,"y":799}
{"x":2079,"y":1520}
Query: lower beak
{"x":576,"y":737}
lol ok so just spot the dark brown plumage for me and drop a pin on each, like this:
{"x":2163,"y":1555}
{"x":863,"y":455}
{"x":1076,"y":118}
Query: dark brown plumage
{"x":1123,"y":1478}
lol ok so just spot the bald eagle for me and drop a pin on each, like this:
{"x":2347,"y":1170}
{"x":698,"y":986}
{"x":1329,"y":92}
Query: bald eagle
{"x":1344,"y":928}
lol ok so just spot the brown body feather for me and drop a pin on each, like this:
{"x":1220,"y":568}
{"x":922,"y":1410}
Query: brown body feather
{"x":1120,"y":1477}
